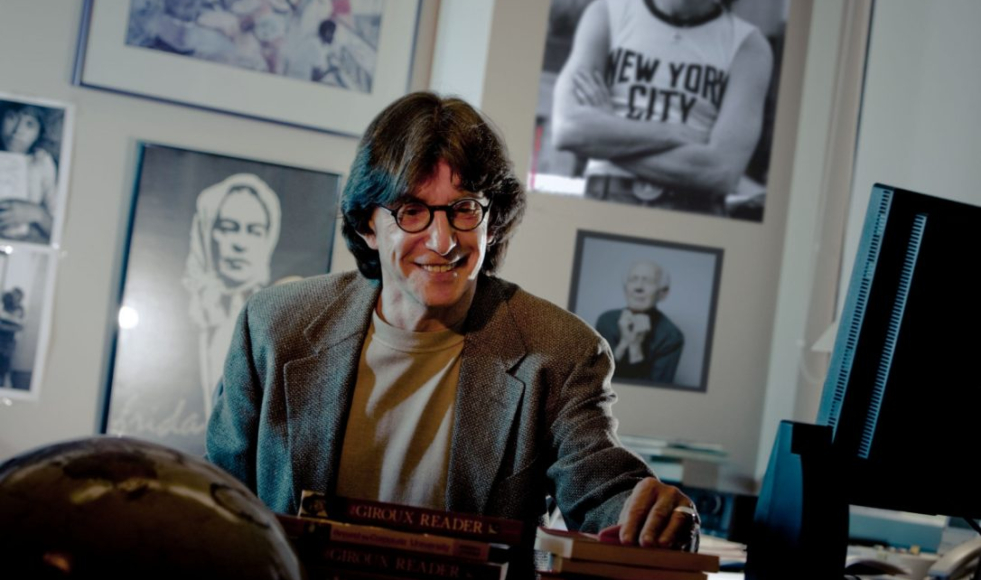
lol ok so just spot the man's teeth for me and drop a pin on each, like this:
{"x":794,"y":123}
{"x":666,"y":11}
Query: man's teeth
{"x":437,"y":267}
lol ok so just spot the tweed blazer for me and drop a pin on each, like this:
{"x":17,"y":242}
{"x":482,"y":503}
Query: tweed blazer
{"x":532,"y":414}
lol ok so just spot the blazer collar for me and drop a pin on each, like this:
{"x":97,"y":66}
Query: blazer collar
{"x":320,"y":384}
{"x":347,"y":314}
{"x":488,"y":397}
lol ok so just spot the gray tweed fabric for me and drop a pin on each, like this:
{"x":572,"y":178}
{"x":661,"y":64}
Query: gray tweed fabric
{"x":532,"y":410}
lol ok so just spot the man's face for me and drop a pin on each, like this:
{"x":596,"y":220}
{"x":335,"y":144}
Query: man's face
{"x":642,"y":287}
{"x":240,"y":238}
{"x":433,"y":271}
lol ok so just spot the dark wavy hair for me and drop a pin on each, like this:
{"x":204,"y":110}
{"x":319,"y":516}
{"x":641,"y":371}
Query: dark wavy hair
{"x":401,"y":150}
{"x":26,"y":109}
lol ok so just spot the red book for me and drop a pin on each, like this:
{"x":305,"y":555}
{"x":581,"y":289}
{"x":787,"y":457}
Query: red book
{"x":411,"y":519}
{"x":315,"y":530}
{"x":320,"y":559}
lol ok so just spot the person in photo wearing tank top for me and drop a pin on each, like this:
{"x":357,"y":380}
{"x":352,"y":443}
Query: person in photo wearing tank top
{"x":665,"y":98}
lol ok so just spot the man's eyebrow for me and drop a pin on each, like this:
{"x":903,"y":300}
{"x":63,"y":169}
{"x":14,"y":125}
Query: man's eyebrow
{"x":412,"y":198}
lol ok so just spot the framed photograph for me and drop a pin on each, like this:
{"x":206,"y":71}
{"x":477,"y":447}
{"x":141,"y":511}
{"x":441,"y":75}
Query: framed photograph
{"x":630,"y":95}
{"x":207,"y":231}
{"x":27,"y":275}
{"x":329,"y":65}
{"x":35,"y":154}
{"x":653,"y":301}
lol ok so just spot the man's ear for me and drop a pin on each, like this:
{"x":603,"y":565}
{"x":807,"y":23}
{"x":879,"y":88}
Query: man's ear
{"x":663,"y":293}
{"x":369,"y":236}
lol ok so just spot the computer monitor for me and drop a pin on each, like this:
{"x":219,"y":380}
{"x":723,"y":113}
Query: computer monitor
{"x":903,"y":391}
{"x":898,"y":424}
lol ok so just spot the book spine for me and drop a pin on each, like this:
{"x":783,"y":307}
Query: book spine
{"x":617,"y":571}
{"x":327,"y":531}
{"x":415,"y":519}
{"x":578,"y":547}
{"x":374,"y":560}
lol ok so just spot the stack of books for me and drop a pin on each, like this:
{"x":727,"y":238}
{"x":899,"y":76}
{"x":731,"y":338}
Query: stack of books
{"x":344,"y":539}
{"x":576,"y":555}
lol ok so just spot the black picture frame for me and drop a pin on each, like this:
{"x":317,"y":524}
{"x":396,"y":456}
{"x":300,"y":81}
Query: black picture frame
{"x":206,"y":231}
{"x":603,"y":263}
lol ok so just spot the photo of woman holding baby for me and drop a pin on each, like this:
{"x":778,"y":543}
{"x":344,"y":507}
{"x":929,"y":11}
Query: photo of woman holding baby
{"x":33,"y":155}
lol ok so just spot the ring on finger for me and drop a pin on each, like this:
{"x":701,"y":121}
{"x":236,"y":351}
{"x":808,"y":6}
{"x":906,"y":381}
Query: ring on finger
{"x":691,"y":511}
{"x":685,"y":509}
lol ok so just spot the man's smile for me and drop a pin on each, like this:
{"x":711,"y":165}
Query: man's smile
{"x":442,"y":267}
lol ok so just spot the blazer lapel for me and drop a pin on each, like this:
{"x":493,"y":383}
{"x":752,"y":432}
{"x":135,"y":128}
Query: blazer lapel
{"x":319,"y":387}
{"x":488,"y":397}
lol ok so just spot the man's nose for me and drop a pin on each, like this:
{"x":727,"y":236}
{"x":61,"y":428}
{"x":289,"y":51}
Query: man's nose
{"x":441,"y":237}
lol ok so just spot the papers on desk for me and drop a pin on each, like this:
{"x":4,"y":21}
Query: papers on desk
{"x":731,"y":554}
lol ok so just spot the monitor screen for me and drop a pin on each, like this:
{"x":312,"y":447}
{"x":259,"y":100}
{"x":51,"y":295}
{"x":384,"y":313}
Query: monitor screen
{"x":903,"y":392}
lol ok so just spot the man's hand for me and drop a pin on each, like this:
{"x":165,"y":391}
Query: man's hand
{"x":15,"y":212}
{"x":657,"y":515}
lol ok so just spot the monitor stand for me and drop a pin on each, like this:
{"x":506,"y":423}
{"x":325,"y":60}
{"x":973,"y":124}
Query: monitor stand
{"x":800,"y":529}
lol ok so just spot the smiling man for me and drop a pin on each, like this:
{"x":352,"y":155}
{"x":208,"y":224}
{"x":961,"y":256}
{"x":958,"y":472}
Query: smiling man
{"x":424,"y":379}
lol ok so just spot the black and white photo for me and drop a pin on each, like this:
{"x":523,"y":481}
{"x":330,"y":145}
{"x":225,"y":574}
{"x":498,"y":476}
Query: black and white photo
{"x":654,"y":303}
{"x":35,"y":151}
{"x":334,"y":42}
{"x":208,"y":231}
{"x":660,"y":103}
{"x":26,"y":292}
{"x":328,"y":65}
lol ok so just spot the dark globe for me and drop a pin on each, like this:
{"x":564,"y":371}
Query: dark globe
{"x":107,"y":507}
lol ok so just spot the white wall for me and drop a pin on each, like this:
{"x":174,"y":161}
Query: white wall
{"x":822,"y":172}
{"x":920,"y":125}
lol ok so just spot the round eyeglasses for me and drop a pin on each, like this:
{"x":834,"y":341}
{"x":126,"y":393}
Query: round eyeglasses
{"x":464,"y":215}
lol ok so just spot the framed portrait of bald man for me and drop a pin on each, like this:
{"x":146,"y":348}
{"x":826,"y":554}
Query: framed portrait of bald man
{"x":207,"y":232}
{"x":653,"y":301}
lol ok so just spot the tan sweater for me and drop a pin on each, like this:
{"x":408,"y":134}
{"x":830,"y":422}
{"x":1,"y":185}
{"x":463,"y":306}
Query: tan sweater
{"x":397,"y":440}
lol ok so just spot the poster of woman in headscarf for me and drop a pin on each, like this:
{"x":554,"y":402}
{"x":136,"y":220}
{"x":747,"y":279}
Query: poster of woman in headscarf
{"x":208,"y":231}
